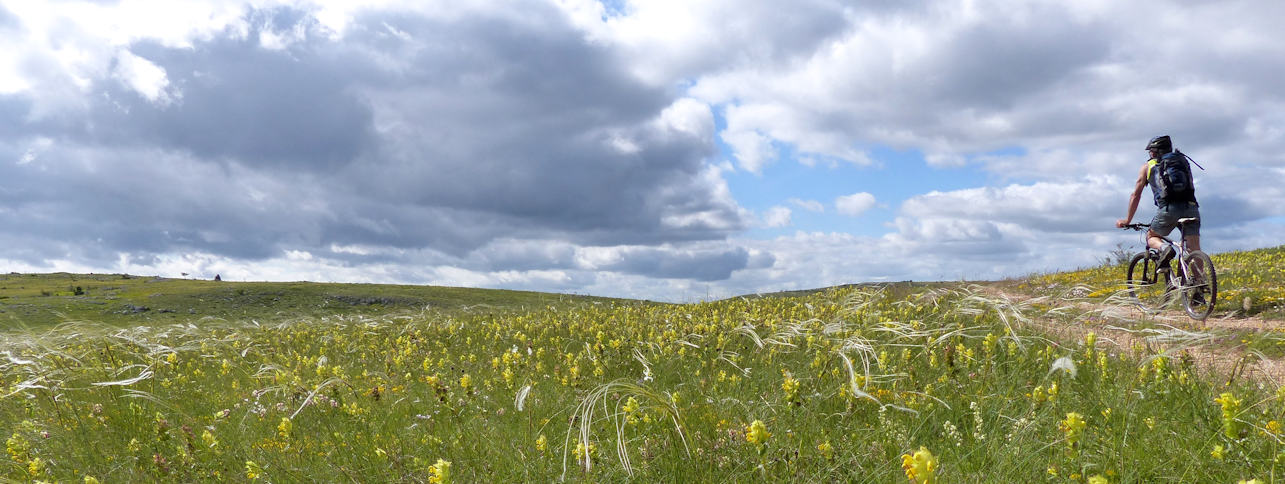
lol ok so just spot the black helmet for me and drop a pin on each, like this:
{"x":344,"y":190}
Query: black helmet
{"x":1161,"y":144}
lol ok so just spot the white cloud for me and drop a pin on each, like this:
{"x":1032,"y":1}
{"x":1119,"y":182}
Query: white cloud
{"x":273,"y":39}
{"x":776,"y":217}
{"x":144,"y":77}
{"x":1088,"y":205}
{"x":958,"y":79}
{"x":809,"y":205}
{"x":854,"y":204}
{"x":752,"y":149}
{"x":690,"y":117}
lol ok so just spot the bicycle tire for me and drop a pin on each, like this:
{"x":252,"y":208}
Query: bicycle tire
{"x":1144,"y":284}
{"x":1202,"y":281}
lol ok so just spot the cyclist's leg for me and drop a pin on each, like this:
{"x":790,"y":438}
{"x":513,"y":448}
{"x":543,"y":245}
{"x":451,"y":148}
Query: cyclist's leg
{"x":1154,"y":241}
{"x":1191,"y":230}
{"x":1193,"y":242}
{"x":1165,"y":220}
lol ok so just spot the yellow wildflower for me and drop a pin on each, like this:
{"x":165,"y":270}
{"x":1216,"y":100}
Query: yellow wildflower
{"x":756,"y":433}
{"x":440,"y":473}
{"x":36,"y":466}
{"x":252,"y":470}
{"x":1231,"y":408}
{"x":791,"y":388}
{"x":827,"y":450}
{"x":920,"y":467}
{"x":1273,"y":428}
{"x":283,"y":428}
{"x":584,"y":452}
{"x":208,"y":438}
{"x":17,"y":447}
{"x":1098,"y":479}
{"x":1219,"y":452}
{"x":1073,"y":427}
{"x":465,"y":382}
{"x":631,"y":409}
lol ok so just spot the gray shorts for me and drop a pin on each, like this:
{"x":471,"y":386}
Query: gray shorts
{"x":1167,"y":218}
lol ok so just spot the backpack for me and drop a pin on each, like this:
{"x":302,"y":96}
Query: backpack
{"x":1173,"y":178}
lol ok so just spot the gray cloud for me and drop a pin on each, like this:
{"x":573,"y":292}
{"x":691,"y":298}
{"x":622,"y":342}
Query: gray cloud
{"x":409,"y":132}
{"x":513,"y":134}
{"x":291,"y":109}
{"x":996,"y":65}
{"x":13,"y":110}
{"x":520,"y":255}
{"x":708,"y":265}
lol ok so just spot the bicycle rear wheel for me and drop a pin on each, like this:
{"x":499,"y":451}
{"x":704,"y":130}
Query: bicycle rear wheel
{"x":1200,"y":288}
{"x":1147,"y":288}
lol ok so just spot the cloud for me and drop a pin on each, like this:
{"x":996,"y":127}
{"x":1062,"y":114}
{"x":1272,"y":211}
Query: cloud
{"x":583,"y":145}
{"x":776,"y":217}
{"x":702,"y":264}
{"x":854,"y":204}
{"x":674,"y":39}
{"x":809,"y":205}
{"x":142,"y":76}
{"x":1084,"y":205}
{"x":413,"y":133}
{"x":958,"y":80}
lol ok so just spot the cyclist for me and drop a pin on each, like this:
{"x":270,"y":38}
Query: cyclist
{"x":1167,"y":211}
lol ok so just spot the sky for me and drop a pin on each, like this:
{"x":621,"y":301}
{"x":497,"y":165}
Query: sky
{"x":673,"y":150}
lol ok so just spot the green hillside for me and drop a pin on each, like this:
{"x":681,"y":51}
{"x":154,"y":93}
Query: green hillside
{"x":906,"y":382}
{"x":1250,"y":283}
{"x":37,"y":300}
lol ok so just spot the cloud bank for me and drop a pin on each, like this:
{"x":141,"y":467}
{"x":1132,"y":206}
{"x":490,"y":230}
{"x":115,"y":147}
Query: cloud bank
{"x":580,"y":146}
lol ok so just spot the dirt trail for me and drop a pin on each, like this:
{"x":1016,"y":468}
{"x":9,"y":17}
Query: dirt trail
{"x":1208,"y":343}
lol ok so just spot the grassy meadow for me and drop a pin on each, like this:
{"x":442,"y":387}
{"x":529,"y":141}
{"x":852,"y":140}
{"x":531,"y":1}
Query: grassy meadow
{"x":881,"y":383}
{"x":39,"y":300}
{"x":1250,"y":283}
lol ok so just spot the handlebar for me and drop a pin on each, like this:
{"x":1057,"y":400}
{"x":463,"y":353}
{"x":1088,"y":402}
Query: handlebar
{"x":1138,"y":227}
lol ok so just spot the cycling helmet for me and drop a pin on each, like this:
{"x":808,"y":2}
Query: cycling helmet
{"x":1161,"y":144}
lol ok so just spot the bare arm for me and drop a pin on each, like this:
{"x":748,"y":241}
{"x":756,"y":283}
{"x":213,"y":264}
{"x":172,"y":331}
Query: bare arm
{"x":1134,"y":198}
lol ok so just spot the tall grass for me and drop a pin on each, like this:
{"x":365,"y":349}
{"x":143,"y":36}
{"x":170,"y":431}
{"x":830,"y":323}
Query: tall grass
{"x":1250,"y":283}
{"x":844,"y":384}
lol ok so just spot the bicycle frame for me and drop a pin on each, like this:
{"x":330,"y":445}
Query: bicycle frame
{"x":1193,"y":278}
{"x":1179,"y":255}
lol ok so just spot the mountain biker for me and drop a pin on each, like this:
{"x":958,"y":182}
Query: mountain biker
{"x":1167,"y":211}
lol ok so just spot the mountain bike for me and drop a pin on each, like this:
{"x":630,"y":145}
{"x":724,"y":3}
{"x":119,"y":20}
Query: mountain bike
{"x":1190,"y":277}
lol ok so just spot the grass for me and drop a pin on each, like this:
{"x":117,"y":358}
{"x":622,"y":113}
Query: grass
{"x":41,"y":300}
{"x":1250,"y":283}
{"x":845,"y":384}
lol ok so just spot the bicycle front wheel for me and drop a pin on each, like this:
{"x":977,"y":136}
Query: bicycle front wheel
{"x":1200,"y":286}
{"x":1147,"y":288}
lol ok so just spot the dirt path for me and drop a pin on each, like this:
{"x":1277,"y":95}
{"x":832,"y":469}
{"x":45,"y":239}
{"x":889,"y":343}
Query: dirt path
{"x":1210,"y":344}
